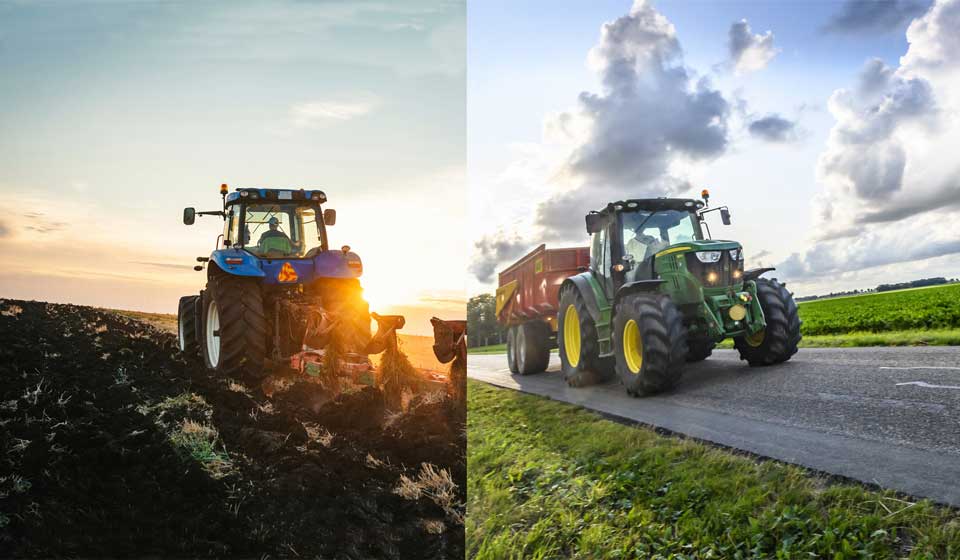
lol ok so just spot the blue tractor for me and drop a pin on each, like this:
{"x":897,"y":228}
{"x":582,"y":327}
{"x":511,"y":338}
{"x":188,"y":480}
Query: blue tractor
{"x":275,"y":288}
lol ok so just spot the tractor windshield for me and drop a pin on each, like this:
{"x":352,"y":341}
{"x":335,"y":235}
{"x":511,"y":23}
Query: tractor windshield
{"x":281,"y":230}
{"x":647,"y":233}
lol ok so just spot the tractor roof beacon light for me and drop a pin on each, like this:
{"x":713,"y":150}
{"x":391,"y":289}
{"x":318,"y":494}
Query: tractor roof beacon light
{"x":223,"y":196}
{"x":705,"y":195}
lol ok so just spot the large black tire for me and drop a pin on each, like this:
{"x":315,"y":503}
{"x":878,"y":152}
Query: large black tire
{"x":512,"y":349}
{"x":779,"y":340}
{"x":532,"y":347}
{"x":699,"y":350}
{"x":588,"y":368}
{"x":649,"y":342}
{"x":187,"y":326}
{"x":239,"y":347}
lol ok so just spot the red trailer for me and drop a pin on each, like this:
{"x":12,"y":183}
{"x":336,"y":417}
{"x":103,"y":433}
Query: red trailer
{"x":528,"y":297}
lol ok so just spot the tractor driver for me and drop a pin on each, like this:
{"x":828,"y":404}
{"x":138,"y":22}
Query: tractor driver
{"x":644,"y":246}
{"x":280,"y":238}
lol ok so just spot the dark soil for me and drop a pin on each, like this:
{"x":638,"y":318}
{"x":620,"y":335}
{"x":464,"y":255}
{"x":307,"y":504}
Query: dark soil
{"x":88,"y":403}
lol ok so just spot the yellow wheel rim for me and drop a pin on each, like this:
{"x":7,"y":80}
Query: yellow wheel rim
{"x":571,"y":335}
{"x":755,"y":339}
{"x":632,"y":346}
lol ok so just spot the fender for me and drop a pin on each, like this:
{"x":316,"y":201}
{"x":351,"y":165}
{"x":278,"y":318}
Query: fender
{"x":755,"y":273}
{"x":249,"y":266}
{"x":592,"y":296}
{"x":637,"y":287}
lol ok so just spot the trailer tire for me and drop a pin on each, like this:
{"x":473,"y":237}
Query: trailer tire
{"x":778,"y":341}
{"x":650,"y":343}
{"x":187,"y":326}
{"x":580,"y":362}
{"x":532,"y":347}
{"x":512,"y":349}
{"x":233,"y":308}
{"x":699,"y":350}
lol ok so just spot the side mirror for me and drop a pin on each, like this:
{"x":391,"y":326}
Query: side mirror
{"x":329,"y":217}
{"x":189,"y":216}
{"x":595,"y":222}
{"x":725,"y":216}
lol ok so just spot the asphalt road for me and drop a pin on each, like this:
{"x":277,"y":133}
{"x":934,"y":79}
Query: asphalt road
{"x":887,"y":416}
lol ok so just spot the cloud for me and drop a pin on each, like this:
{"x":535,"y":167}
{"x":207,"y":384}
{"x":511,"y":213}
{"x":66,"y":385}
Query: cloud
{"x":4,"y":230}
{"x":494,"y":249}
{"x":650,"y":115}
{"x":749,"y":52}
{"x":773,"y":128}
{"x":890,"y":179}
{"x":164,"y":265}
{"x":314,"y":113}
{"x":858,"y":16}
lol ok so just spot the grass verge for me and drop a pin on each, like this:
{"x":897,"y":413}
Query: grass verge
{"x":940,"y":337}
{"x":551,"y":480}
{"x":492,"y":349}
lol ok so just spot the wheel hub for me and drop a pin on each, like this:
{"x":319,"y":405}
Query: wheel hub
{"x":571,"y":335}
{"x":633,"y":346}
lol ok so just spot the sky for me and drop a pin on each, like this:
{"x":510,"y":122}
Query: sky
{"x":828,"y":128}
{"x":115,"y":115}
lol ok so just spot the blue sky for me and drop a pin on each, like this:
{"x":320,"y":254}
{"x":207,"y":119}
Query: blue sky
{"x":529,"y":63}
{"x":115,"y":115}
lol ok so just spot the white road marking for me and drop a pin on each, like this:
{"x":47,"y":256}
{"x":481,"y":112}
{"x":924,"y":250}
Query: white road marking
{"x":928,"y":385}
{"x":919,"y":367}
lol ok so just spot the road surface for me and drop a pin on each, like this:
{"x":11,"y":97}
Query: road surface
{"x":886,"y":416}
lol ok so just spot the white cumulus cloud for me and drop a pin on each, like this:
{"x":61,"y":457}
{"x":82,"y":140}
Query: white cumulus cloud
{"x":749,"y":52}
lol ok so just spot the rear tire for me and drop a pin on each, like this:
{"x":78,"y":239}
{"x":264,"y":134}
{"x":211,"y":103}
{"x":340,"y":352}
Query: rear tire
{"x":512,"y":349}
{"x":532,"y":348}
{"x":699,"y":350}
{"x":778,"y":341}
{"x":649,"y":343}
{"x":187,"y":325}
{"x":580,"y":359}
{"x":234,"y":327}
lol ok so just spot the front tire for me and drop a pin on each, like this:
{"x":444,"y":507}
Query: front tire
{"x":778,"y":341}
{"x":187,"y":325}
{"x":234,"y":327}
{"x":699,"y":350}
{"x":580,"y":359}
{"x":649,"y":343}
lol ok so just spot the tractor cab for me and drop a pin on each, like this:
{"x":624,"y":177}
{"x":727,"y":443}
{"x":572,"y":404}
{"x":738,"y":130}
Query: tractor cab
{"x":277,"y":224}
{"x":649,"y":240}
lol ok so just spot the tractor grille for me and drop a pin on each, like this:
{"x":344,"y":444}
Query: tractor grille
{"x":722,"y":270}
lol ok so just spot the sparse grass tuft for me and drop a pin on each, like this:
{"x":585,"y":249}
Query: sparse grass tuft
{"x":551,"y":480}
{"x":434,"y":484}
{"x":201,"y":443}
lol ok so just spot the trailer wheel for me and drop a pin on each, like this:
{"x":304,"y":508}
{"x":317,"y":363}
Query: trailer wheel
{"x":187,"y":325}
{"x":778,"y":341}
{"x":649,"y":343}
{"x":532,"y":347}
{"x":577,"y":341}
{"x":234,"y":327}
{"x":699,"y":350}
{"x":512,"y":349}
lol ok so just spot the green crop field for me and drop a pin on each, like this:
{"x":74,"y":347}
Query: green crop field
{"x":917,"y":309}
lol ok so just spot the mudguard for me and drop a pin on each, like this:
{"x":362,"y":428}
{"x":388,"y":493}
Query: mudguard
{"x":638,"y":286}
{"x":755,"y":273}
{"x":250,"y":266}
{"x":592,"y":296}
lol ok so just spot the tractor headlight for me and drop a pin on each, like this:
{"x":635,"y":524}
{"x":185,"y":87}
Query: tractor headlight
{"x":708,"y":256}
{"x":736,"y":254}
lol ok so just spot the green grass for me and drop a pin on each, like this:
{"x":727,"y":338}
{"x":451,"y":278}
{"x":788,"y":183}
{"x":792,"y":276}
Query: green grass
{"x":551,"y":480}
{"x":944,"y":337}
{"x":934,"y":308}
{"x":492,"y":349}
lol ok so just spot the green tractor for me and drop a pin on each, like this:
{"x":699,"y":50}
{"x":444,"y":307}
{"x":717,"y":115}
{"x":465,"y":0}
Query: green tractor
{"x":659,"y":293}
